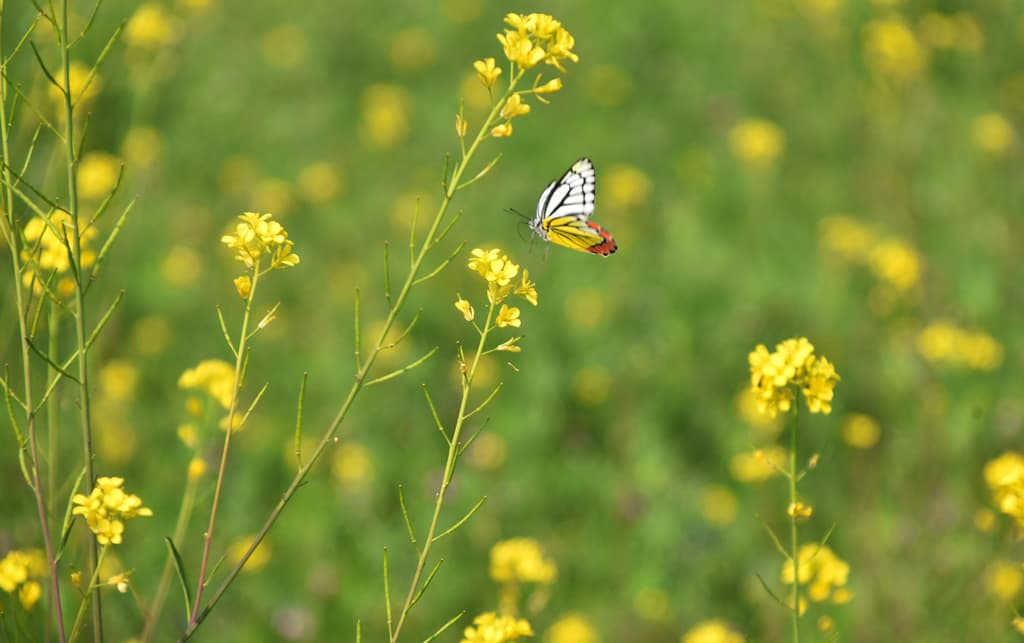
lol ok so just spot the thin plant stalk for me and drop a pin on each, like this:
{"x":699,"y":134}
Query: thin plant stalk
{"x":241,"y":348}
{"x":446,"y":479}
{"x":10,"y":231}
{"x":71,"y":161}
{"x":793,"y":515}
{"x":361,"y":373}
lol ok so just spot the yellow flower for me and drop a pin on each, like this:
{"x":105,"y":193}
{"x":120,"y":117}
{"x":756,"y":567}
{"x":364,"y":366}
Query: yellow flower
{"x":1005,"y":478}
{"x":892,"y":50}
{"x":19,"y":570}
{"x":799,"y":510}
{"x":521,"y":560}
{"x":214,"y":376}
{"x":520,"y":50}
{"x":259,"y":234}
{"x":243,"y":285}
{"x":142,"y":146}
{"x":196,"y":468}
{"x":1004,"y":580}
{"x":992,"y":133}
{"x":352,"y":465}
{"x":755,"y":466}
{"x":97,"y":174}
{"x":490,"y":628}
{"x":510,"y":346}
{"x":860,"y":431}
{"x":773,"y":376}
{"x":49,"y":240}
{"x":713,"y":631}
{"x":465,"y":308}
{"x":508,"y":316}
{"x":718,"y":505}
{"x":757,"y":142}
{"x":107,"y":507}
{"x":501,"y":271}
{"x":151,"y":27}
{"x":501,"y":131}
{"x":487,"y":71}
{"x":550,"y":87}
{"x":846,"y":237}
{"x":480,"y":260}
{"x":824,"y":573}
{"x":527,"y":290}
{"x":320,"y":182}
{"x":83,"y":89}
{"x":514,"y":107}
{"x":572,"y":628}
{"x":536,"y":38}
{"x":944,"y":342}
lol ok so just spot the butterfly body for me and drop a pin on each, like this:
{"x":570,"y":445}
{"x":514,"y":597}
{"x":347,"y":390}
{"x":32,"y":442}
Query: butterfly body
{"x":564,"y":209}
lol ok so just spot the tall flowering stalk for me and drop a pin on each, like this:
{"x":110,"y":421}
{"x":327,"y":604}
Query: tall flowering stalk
{"x":500,"y":274}
{"x":777,"y":378}
{"x":532,"y":40}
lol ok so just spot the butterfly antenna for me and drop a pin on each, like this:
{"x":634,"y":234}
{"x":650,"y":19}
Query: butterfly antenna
{"x":517,"y":213}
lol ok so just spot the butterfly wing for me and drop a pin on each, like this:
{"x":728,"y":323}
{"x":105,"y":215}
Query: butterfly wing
{"x":564,"y":209}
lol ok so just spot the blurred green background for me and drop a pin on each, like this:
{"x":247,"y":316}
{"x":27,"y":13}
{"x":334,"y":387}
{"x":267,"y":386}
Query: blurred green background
{"x":849,"y":171}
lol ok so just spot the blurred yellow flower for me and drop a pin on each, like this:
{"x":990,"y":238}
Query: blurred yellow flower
{"x":1005,"y":479}
{"x":142,"y":146}
{"x":182,"y":266}
{"x":465,"y":308}
{"x":846,"y":237}
{"x":387,"y":110}
{"x":118,"y":379}
{"x":892,"y":50}
{"x":243,"y":286}
{"x":822,"y":571}
{"x":106,"y":509}
{"x":490,"y":628}
{"x":819,"y":380}
{"x":591,"y":385}
{"x":550,"y":87}
{"x":352,"y":465}
{"x":944,"y":342}
{"x":152,"y":27}
{"x":285,"y":46}
{"x":1004,"y":579}
{"x":214,"y":376}
{"x":150,"y":335}
{"x":759,"y":465}
{"x":713,"y":631}
{"x":757,"y":142}
{"x":19,"y":573}
{"x":83,"y":89}
{"x":992,"y":133}
{"x":572,"y":628}
{"x":514,"y":107}
{"x":274,"y":195}
{"x":896,"y":263}
{"x":412,"y":49}
{"x":625,"y":187}
{"x":488,"y":452}
{"x":188,"y":434}
{"x":527,"y":289}
{"x":196,"y":468}
{"x":473,"y":92}
{"x":718,"y":505}
{"x":97,"y":174}
{"x":502,"y":130}
{"x":765,"y":428}
{"x":521,"y":560}
{"x":50,"y":242}
{"x":984,"y":520}
{"x":321,"y":182}
{"x":860,"y":431}
{"x":259,"y":558}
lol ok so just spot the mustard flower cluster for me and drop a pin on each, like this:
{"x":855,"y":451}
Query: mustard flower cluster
{"x":46,"y":251}
{"x":942,"y":342}
{"x":491,"y":628}
{"x":213,"y":376}
{"x":107,"y":507}
{"x":19,"y":573}
{"x":500,"y":274}
{"x":824,"y":574}
{"x":713,"y":631}
{"x":257,"y":235}
{"x":775,"y":377}
{"x":1005,"y":479}
{"x":534,"y":39}
{"x":521,"y":560}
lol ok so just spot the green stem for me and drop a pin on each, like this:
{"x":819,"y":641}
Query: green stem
{"x":239,"y":359}
{"x":199,"y":616}
{"x":12,"y":234}
{"x":793,"y":540}
{"x":446,"y":480}
{"x":85,"y":420}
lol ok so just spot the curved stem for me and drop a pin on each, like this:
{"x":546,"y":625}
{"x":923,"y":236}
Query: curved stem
{"x":446,"y":479}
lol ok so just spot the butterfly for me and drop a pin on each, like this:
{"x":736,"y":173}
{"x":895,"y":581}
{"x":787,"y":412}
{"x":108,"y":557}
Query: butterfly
{"x":564,"y":209}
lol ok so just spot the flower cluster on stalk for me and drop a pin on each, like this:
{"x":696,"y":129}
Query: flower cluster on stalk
{"x":501,"y":274}
{"x":258,"y":235}
{"x":107,"y":507}
{"x":775,"y":377}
